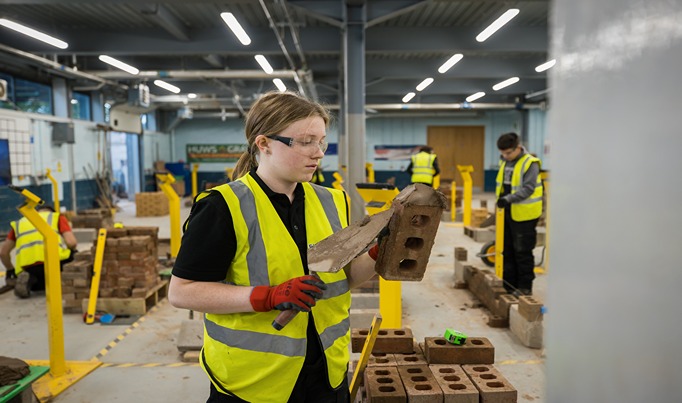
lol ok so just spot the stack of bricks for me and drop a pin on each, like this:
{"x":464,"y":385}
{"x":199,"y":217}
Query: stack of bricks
{"x":93,"y":218}
{"x":76,"y":279}
{"x":151,"y":204}
{"x":444,"y":372}
{"x":526,"y":321}
{"x":461,"y":257}
{"x":130,"y":262}
{"x":478,"y":215}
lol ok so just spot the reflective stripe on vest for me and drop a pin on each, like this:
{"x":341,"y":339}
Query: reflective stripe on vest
{"x":422,"y":167}
{"x":30,"y":245}
{"x":527,"y":209}
{"x":242,"y":351}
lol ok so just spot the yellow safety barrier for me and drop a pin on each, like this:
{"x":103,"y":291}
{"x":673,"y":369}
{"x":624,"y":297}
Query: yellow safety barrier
{"x":465,"y":171}
{"x":97,"y":270}
{"x":195,"y":186}
{"x":453,"y":199}
{"x":55,"y":189}
{"x":379,"y":197}
{"x":62,"y":374}
{"x":369,"y":167}
{"x":499,"y":242}
{"x":229,"y":172}
{"x":338,"y":183}
{"x":436,"y":181}
{"x":165,"y":182}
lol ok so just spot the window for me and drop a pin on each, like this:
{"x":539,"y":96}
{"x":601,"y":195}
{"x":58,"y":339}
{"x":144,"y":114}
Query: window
{"x":80,"y":106}
{"x":33,"y":97}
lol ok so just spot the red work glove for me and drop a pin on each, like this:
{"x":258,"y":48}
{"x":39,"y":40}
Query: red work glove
{"x":374,"y":252}
{"x":298,"y":294}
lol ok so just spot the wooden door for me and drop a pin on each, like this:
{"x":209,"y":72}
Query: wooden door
{"x":458,"y":145}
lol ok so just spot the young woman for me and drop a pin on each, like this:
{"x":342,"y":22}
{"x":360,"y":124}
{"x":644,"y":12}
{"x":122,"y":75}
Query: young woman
{"x":243,"y":261}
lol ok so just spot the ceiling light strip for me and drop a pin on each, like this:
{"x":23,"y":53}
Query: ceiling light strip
{"x":545,"y":66}
{"x":279,"y":84}
{"x":505,"y":83}
{"x":473,"y":97}
{"x":424,"y":84}
{"x":451,"y":62}
{"x":497,"y":24}
{"x":167,"y":86}
{"x":119,"y":64}
{"x":51,"y":40}
{"x":408,"y":97}
{"x":264,"y":64}
{"x":236,"y":28}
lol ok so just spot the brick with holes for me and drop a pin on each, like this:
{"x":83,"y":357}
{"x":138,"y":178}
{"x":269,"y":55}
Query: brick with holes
{"x":456,"y":385}
{"x":476,"y":350}
{"x":404,"y":253}
{"x":387,"y":341}
{"x":383,"y":384}
{"x":420,"y":384}
{"x":491,"y":385}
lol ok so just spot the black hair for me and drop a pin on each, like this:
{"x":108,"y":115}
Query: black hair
{"x":426,"y":149}
{"x":47,"y":207}
{"x":508,"y":141}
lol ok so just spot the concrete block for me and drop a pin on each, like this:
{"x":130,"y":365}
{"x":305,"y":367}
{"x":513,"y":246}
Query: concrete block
{"x":455,"y":384}
{"x":530,"y":333}
{"x":365,"y":301}
{"x":362,"y":318}
{"x":459,"y":271}
{"x":384,"y":385}
{"x":84,"y":235}
{"x":412,"y":231}
{"x":530,"y":308}
{"x":480,"y":234}
{"x":491,"y":385}
{"x":191,"y":335}
{"x":476,"y":350}
{"x":420,"y":384}
{"x":387,"y":341}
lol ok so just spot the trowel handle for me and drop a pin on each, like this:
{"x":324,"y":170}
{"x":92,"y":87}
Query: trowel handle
{"x":283,"y":318}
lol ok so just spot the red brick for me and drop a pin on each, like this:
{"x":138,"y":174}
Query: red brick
{"x":476,"y":350}
{"x":420,"y":384}
{"x":492,"y":386}
{"x":530,"y":308}
{"x":387,"y":341}
{"x":383,"y":385}
{"x":415,"y":358}
{"x":455,"y":384}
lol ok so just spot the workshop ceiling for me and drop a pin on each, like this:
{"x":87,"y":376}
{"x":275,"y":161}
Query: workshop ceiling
{"x":187,"y":44}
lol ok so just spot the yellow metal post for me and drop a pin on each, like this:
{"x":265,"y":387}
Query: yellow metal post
{"x":369,"y":167}
{"x":338,"y":183}
{"x":94,"y":288}
{"x":55,"y":189}
{"x":364,"y":356}
{"x":545,"y":183}
{"x":195,"y":169}
{"x":166,"y":181}
{"x":499,"y":242}
{"x":61,"y":375}
{"x":229,"y":172}
{"x":436,"y":181}
{"x":465,"y":171}
{"x":453,"y":199}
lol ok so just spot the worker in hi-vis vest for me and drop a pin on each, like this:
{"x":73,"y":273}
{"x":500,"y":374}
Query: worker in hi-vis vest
{"x":29,"y":272}
{"x":423,"y":166}
{"x":519,"y":192}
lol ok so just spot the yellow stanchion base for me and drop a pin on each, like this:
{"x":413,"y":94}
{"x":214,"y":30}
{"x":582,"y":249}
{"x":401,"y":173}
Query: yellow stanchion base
{"x":454,"y":224}
{"x":47,"y":387}
{"x":539,"y":270}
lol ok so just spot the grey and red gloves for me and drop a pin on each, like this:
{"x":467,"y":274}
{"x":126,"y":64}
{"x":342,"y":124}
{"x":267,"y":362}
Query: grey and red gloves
{"x":298,"y":294}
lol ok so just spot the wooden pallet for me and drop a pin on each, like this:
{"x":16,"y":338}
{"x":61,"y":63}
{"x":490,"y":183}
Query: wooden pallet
{"x":131,"y":306}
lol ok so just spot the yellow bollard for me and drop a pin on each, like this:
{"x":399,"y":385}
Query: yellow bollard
{"x":55,"y":189}
{"x":165,"y":181}
{"x":195,"y":169}
{"x":499,"y":242}
{"x":97,"y":270}
{"x":61,"y":374}
{"x":436,"y":181}
{"x":369,"y":167}
{"x":453,"y":199}
{"x":465,"y":171}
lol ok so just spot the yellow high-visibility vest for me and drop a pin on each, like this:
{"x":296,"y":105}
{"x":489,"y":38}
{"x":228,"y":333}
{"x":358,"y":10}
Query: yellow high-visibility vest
{"x":242,"y":353}
{"x":422,"y":167}
{"x":30,"y":245}
{"x":530,"y":208}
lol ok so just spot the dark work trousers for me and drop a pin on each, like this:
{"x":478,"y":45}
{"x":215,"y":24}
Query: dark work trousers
{"x":37,"y":273}
{"x":311,"y":387}
{"x":519,"y":241}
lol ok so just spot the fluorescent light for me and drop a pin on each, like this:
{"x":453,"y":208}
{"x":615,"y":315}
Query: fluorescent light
{"x":408,"y":97}
{"x":236,"y":28}
{"x":58,"y":43}
{"x":279,"y":84}
{"x":424,"y":84}
{"x":74,"y":101}
{"x":264,"y":64}
{"x":545,"y":66}
{"x":497,"y":24}
{"x":166,"y":86}
{"x":119,"y":64}
{"x":191,"y":95}
{"x":451,"y":62}
{"x":473,"y":97}
{"x":505,"y":83}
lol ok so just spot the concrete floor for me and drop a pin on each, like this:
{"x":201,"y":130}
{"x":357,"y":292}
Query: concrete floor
{"x":145,"y":365}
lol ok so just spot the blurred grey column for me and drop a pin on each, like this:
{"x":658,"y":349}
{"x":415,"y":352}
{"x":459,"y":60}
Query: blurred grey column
{"x":354,"y":77}
{"x":615,"y":137}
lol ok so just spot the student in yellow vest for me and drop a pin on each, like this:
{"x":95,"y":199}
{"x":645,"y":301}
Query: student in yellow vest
{"x":519,"y":192}
{"x":29,"y":273}
{"x":423,"y":166}
{"x":243,"y":260}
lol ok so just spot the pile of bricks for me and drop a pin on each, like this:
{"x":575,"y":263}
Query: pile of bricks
{"x":151,"y":204}
{"x":92,"y":218}
{"x":478,"y":215}
{"x":76,"y":279}
{"x":129,"y":268}
{"x":526,"y":321}
{"x":400,"y":370}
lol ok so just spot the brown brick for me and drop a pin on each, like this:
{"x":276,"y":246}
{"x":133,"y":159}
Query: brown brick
{"x":387,"y":341}
{"x":497,"y":321}
{"x":504,"y":302}
{"x":381,"y":360}
{"x":420,"y":384}
{"x":455,"y":384}
{"x":530,"y":308}
{"x":492,"y":386}
{"x":415,"y":358}
{"x":460,"y":254}
{"x":476,"y":350}
{"x":383,"y":385}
